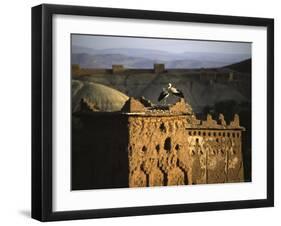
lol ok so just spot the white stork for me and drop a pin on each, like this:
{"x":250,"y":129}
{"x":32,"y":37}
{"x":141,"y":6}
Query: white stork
{"x":170,"y":90}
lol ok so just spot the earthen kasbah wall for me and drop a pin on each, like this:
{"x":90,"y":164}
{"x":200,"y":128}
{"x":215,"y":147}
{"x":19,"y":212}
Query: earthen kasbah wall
{"x":154,"y":146}
{"x":171,"y":147}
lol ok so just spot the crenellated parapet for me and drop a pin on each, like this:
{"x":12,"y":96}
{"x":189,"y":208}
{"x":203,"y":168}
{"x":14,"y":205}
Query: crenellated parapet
{"x":210,"y":123}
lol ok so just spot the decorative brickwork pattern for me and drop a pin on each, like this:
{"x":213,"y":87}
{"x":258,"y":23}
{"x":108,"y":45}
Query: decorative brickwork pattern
{"x":172,"y":147}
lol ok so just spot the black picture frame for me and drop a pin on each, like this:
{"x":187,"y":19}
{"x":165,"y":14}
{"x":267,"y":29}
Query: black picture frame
{"x":42,"y":111}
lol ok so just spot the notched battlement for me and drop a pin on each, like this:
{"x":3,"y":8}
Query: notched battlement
{"x":210,"y":123}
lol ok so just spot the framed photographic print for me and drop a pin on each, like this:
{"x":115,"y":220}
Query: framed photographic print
{"x":146,"y":112}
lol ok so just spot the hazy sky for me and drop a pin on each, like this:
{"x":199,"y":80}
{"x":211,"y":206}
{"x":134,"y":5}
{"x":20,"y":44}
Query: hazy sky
{"x":174,"y":46}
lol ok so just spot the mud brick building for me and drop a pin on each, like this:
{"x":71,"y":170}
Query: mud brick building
{"x":154,"y":146}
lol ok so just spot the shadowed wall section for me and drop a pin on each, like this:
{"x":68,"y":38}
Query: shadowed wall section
{"x":99,"y":151}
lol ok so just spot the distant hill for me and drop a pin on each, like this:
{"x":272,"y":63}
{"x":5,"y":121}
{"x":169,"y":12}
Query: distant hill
{"x":243,"y":66}
{"x":145,"y":58}
{"x":107,"y":60}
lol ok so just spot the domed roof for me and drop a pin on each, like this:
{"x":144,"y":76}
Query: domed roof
{"x":102,"y":97}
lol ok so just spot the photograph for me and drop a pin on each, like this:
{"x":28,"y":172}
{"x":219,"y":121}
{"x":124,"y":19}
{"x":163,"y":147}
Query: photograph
{"x":149,"y":111}
{"x":142,"y":112}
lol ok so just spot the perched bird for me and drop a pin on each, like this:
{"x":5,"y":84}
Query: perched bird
{"x":170,"y":90}
{"x":175,"y":91}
